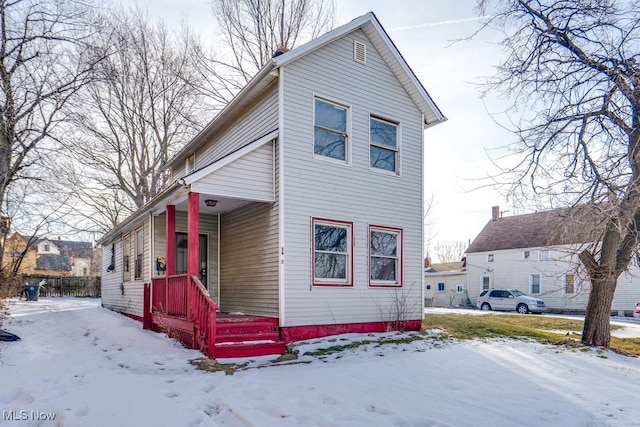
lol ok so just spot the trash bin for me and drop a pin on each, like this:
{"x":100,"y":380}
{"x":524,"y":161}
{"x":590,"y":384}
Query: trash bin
{"x":32,"y":292}
{"x":636,"y":312}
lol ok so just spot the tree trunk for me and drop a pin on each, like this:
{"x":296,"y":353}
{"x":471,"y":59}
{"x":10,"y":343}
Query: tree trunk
{"x":596,"y":330}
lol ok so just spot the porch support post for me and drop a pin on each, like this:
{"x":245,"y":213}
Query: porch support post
{"x":170,"y":230}
{"x":193,"y":234}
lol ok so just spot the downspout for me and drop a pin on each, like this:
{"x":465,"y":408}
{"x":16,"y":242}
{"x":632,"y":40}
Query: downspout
{"x":281,"y":222}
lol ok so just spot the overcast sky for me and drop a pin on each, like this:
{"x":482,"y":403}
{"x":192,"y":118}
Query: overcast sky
{"x":456,"y":151}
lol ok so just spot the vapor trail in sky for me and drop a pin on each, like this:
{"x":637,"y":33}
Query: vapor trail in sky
{"x":436,"y":24}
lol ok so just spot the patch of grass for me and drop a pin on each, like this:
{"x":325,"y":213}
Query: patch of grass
{"x":401,"y":339}
{"x":545,"y":329}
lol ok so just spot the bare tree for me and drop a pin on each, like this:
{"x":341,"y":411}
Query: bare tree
{"x":448,"y":251}
{"x":254,"y":29}
{"x":572,"y":71}
{"x":141,"y":109}
{"x":45,"y":59}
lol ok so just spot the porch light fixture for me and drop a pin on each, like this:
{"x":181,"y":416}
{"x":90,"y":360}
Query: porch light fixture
{"x":211,"y":203}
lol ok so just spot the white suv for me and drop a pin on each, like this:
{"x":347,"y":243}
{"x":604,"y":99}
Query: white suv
{"x":509,"y":300}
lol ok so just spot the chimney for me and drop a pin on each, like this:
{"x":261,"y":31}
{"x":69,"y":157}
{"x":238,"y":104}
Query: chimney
{"x":427,"y":262}
{"x":495,"y":213}
{"x":280,"y":50}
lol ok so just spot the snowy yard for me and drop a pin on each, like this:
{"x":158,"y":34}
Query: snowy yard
{"x":86,"y":366}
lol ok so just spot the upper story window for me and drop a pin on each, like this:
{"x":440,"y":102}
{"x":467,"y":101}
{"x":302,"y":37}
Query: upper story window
{"x":383,"y":139}
{"x":490,"y":257}
{"x":47,"y":248}
{"x":332,"y":252}
{"x":441,"y":287}
{"x":544,"y":255}
{"x":330,"y":137}
{"x":526,"y":255}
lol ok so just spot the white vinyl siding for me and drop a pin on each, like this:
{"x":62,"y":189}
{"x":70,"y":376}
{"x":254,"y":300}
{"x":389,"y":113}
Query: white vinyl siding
{"x":250,"y":177}
{"x":258,"y":121}
{"x":249,"y":260}
{"x":327,"y":189}
{"x":127,"y":297}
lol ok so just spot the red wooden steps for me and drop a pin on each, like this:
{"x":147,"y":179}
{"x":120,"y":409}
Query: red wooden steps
{"x":247,"y":336}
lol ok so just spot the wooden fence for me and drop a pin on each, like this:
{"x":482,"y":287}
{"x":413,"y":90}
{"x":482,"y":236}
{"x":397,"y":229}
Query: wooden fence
{"x":66,"y":286}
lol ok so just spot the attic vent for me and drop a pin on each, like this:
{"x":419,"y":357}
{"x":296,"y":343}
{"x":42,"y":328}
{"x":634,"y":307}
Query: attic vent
{"x":359,"y":52}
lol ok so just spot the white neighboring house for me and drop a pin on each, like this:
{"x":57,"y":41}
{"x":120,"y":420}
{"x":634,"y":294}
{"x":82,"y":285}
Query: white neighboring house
{"x":537,"y":254}
{"x":445,"y":284}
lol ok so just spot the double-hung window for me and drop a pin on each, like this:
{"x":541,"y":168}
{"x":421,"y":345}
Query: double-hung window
{"x":139,"y":251}
{"x":126,"y":258}
{"x":330,"y":137}
{"x":569,"y":284}
{"x":385,"y":256}
{"x":383,"y":149}
{"x":534,"y":284}
{"x":332,"y":252}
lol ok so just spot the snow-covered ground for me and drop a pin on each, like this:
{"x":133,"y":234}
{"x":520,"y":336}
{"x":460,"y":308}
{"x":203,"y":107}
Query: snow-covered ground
{"x":86,"y":366}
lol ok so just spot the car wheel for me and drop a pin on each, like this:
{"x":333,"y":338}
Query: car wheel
{"x":522,"y":309}
{"x":485,"y":306}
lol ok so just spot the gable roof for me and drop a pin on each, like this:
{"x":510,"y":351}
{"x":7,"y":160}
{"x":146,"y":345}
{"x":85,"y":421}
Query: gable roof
{"x":260,"y":82}
{"x":446,"y":267}
{"x":53,"y":262}
{"x":561,"y":226}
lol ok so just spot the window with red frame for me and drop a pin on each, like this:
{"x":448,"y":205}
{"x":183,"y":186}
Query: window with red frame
{"x":332,"y":252}
{"x":385,"y":256}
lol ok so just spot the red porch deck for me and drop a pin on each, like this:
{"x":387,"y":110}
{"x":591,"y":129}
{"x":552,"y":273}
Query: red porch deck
{"x":181,"y":307}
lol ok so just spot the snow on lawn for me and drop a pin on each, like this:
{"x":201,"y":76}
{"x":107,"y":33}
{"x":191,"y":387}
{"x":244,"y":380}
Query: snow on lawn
{"x":87,"y":366}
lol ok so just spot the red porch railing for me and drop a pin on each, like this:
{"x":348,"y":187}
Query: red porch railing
{"x":181,"y":296}
{"x":203,"y":313}
{"x":169,"y":295}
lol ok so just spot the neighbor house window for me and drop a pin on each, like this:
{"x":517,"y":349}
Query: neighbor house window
{"x":126,"y":258}
{"x":385,"y":256}
{"x":441,"y":287}
{"x":383,"y":140}
{"x":526,"y":255}
{"x":47,"y":248}
{"x":332,"y":252}
{"x":534,"y":284}
{"x":490,"y":258}
{"x":330,"y":130}
{"x":569,"y":280}
{"x":544,"y":255}
{"x":139,"y":251}
{"x":459,"y":288}
{"x":486,"y":282}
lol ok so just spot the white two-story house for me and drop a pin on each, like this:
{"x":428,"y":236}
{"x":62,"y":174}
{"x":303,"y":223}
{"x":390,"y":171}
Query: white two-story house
{"x":301,"y":202}
{"x":537,"y":253}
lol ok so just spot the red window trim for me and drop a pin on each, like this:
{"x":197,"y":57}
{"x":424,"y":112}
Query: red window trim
{"x":375,"y":284}
{"x":350,"y":262}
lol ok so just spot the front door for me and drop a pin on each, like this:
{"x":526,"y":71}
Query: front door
{"x":182,"y":256}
